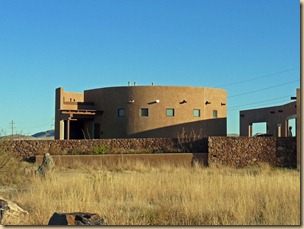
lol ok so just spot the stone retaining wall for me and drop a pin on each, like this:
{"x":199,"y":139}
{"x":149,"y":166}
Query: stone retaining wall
{"x":230,"y":151}
{"x":244,"y":151}
{"x":286,"y":152}
{"x":28,"y":148}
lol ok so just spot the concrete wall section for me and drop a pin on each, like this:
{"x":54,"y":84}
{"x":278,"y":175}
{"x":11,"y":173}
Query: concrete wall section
{"x":124,"y":160}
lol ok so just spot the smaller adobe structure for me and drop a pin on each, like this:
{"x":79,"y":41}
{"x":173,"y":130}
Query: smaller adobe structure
{"x":277,"y":120}
{"x":140,"y":112}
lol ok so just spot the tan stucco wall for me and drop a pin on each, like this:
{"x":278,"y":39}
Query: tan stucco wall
{"x":64,"y":101}
{"x":157,"y":124}
{"x":69,"y":99}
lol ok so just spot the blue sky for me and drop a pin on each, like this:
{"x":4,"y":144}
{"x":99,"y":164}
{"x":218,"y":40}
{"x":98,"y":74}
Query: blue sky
{"x":250,"y":48}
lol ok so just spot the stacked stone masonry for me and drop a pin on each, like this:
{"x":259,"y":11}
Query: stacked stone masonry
{"x":245,"y":151}
{"x":28,"y":148}
{"x":229,"y":151}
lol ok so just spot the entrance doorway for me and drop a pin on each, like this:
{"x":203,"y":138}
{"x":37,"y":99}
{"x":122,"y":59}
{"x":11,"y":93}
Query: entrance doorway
{"x":292,"y":124}
{"x":291,"y":121}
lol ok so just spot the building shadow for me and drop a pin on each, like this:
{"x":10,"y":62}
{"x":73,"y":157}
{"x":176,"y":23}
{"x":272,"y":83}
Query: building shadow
{"x":196,"y":130}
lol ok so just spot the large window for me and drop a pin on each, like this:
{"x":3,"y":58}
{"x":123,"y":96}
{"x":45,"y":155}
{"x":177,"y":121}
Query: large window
{"x":196,"y":113}
{"x":121,"y":112}
{"x":170,"y":112}
{"x":144,"y":112}
{"x":214,"y":114}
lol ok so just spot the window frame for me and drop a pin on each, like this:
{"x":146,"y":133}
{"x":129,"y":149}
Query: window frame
{"x":199,"y":113}
{"x":215,"y":114}
{"x":144,"y":114}
{"x":119,"y":114}
{"x":170,"y":109}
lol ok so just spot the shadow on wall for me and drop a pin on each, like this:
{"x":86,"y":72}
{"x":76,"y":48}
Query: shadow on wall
{"x":286,"y":152}
{"x":198,"y":129}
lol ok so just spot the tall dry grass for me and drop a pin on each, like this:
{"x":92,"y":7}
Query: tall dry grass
{"x":12,"y":169}
{"x":143,"y":195}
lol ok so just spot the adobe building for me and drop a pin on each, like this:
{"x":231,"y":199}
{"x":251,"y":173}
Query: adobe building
{"x":140,"y":112}
{"x":276,"y":118}
{"x":277,"y":121}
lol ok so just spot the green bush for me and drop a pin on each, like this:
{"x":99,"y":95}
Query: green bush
{"x":100,"y":150}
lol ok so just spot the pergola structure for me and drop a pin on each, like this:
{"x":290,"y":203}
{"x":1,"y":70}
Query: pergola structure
{"x":72,"y":114}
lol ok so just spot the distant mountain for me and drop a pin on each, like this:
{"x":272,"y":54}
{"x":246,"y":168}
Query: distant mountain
{"x":49,"y":134}
{"x":18,"y":137}
{"x":45,"y":135}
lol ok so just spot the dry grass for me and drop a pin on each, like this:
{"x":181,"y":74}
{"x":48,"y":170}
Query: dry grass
{"x":139,"y":194}
{"x":12,"y":170}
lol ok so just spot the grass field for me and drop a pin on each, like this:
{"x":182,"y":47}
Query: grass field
{"x":139,"y":194}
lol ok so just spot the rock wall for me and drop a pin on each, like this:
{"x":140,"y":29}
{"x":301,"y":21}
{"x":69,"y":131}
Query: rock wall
{"x":244,"y":151}
{"x":286,"y":152}
{"x":28,"y":148}
{"x":230,"y":151}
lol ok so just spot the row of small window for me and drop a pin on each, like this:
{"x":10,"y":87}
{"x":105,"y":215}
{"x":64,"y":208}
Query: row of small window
{"x":144,"y":112}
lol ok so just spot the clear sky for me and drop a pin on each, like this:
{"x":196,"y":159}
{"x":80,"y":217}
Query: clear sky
{"x":251,"y":48}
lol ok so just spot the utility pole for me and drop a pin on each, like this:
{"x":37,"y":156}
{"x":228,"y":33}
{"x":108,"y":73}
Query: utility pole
{"x":12,"y":126}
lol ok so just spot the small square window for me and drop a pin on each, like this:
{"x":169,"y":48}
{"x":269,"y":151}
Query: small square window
{"x":214,"y":114}
{"x":121,"y":112}
{"x":196,"y":113}
{"x":144,"y":112}
{"x":170,"y":112}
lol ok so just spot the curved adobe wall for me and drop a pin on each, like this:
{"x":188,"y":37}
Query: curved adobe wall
{"x":157,"y":123}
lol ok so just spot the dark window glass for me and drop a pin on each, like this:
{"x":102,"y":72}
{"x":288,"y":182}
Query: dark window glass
{"x":121,"y":112}
{"x":144,"y":112}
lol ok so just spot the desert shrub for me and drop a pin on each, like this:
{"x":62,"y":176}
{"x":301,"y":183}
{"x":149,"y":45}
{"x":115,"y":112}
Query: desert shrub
{"x":186,"y":140}
{"x":12,"y":169}
{"x":100,"y":150}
